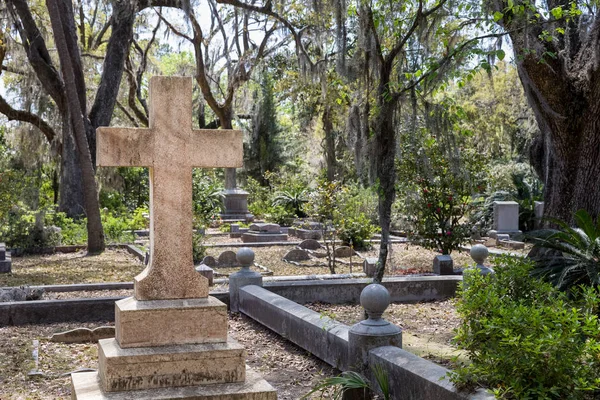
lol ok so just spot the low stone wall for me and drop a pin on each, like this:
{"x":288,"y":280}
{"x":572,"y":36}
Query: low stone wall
{"x":71,"y":310}
{"x":309,"y":290}
{"x":410,"y":289}
{"x":412,"y":377}
{"x":322,"y":336}
{"x":52,"y":311}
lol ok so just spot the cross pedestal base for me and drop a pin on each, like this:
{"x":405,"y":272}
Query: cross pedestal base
{"x":171,"y":349}
{"x":167,"y":366}
{"x":86,"y":385}
{"x":168,"y":322}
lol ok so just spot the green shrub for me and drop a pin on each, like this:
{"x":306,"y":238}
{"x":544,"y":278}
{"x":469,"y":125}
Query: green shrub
{"x":116,"y":229}
{"x":525,"y":339}
{"x":292,"y":200}
{"x":437,"y":189}
{"x":355,"y":230}
{"x":138,"y":220}
{"x":207,"y":197}
{"x":280,"y":215}
{"x":72,"y":232}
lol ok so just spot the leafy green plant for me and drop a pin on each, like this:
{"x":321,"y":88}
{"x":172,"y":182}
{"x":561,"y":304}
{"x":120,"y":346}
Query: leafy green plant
{"x":574,"y":256}
{"x":116,"y":228}
{"x":437,"y":189}
{"x":138,"y":220}
{"x":293,"y":200}
{"x":280,"y":215}
{"x":526,"y":339}
{"x":355,"y":230}
{"x":350,"y":380}
{"x":207,"y":197}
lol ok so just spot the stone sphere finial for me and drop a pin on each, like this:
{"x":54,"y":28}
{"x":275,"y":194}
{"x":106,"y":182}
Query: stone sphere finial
{"x":245,"y":256}
{"x":479,"y":253}
{"x":375,"y":299}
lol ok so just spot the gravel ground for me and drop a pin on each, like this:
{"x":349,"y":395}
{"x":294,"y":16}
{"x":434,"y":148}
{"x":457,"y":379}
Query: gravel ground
{"x":291,"y":370}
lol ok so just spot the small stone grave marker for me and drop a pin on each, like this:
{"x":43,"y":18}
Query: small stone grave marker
{"x":343,"y":252}
{"x":5,"y":260}
{"x":296,"y":255}
{"x":370,"y":266}
{"x":310,"y":244}
{"x":227,"y":259}
{"x":506,"y":218}
{"x":209,"y":261}
{"x":443,"y":265}
{"x":84,"y":335}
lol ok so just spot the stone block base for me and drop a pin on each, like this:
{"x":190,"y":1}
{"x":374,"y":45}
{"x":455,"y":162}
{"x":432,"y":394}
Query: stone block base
{"x":443,"y":265}
{"x":494,"y":233}
{"x":169,"y":366}
{"x":169,"y":322}
{"x":251,"y":237}
{"x":6,"y":266}
{"x":86,"y":386}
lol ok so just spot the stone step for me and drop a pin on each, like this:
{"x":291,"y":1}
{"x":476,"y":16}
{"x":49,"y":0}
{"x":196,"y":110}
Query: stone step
{"x":169,"y":366}
{"x":86,"y":386}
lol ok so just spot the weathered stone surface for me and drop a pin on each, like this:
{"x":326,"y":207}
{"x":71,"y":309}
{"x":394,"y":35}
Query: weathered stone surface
{"x":296,"y":255}
{"x":236,"y":205}
{"x":417,"y":378}
{"x":512,"y":244}
{"x":167,"y":322}
{"x":86,"y":386}
{"x":206,"y":272}
{"x":2,"y":251}
{"x":506,"y":218}
{"x":169,"y":366}
{"x":22,"y":293}
{"x":343,"y":251}
{"x":84,"y":335}
{"x":538,"y":210}
{"x":370,"y":266}
{"x":210,"y":261}
{"x":264,"y":227}
{"x":234,"y":228}
{"x":501,"y":237}
{"x":257,"y":237}
{"x":6,"y":265}
{"x":170,"y":148}
{"x":308,"y":234}
{"x":310,"y":225}
{"x":227,"y":259}
{"x":443,"y":265}
{"x":310,"y":244}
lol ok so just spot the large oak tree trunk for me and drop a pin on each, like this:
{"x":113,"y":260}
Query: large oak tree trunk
{"x":561,"y":79}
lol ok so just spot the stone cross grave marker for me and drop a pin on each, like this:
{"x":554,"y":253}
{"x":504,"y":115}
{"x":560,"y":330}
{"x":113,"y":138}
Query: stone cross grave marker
{"x":170,"y":148}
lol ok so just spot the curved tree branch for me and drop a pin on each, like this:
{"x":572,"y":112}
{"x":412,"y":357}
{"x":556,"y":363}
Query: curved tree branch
{"x":25,"y":116}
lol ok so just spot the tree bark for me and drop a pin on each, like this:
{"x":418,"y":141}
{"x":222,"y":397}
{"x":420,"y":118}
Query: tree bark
{"x":66,"y":55}
{"x":71,"y":183}
{"x":329,"y":143}
{"x":561,"y":79}
{"x":385,"y":170}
